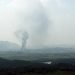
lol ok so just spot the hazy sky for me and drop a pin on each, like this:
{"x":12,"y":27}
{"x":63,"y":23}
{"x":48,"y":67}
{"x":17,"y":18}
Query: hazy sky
{"x":48,"y":22}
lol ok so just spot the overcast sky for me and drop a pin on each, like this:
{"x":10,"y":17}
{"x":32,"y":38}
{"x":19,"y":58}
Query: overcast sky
{"x":48,"y":22}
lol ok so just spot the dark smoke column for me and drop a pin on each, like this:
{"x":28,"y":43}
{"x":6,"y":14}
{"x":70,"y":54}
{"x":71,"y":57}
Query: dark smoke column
{"x":23,"y":36}
{"x":24,"y":40}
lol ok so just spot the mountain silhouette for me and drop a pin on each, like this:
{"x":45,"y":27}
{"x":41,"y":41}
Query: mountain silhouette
{"x":5,"y":46}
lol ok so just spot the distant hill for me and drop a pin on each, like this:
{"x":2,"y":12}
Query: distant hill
{"x":5,"y":46}
{"x":54,"y":50}
{"x":9,"y":46}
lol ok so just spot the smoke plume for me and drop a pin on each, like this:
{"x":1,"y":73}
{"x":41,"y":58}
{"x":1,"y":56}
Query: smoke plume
{"x":34,"y":20}
{"x":22,"y":37}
